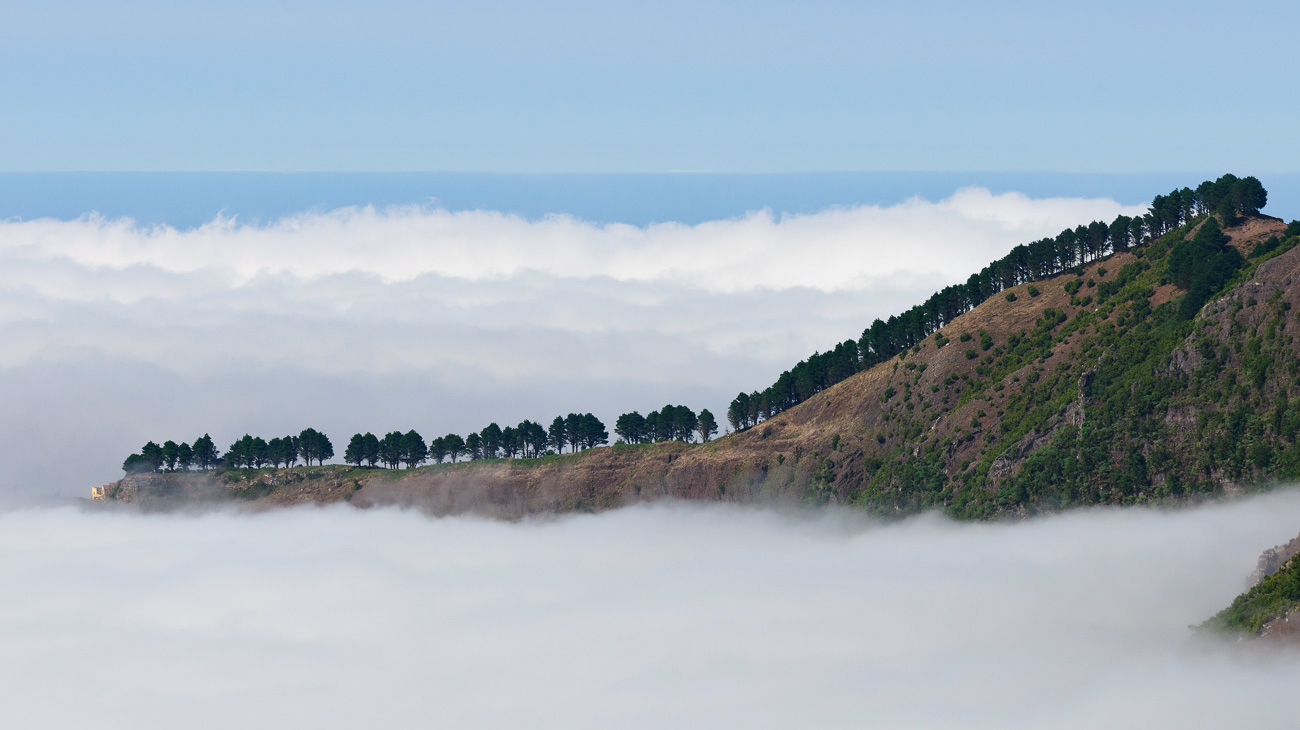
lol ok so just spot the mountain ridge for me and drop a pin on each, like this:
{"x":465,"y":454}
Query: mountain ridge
{"x":999,"y":412}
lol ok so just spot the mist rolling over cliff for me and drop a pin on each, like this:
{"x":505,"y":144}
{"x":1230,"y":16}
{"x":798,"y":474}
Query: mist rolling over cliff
{"x":643,"y":618}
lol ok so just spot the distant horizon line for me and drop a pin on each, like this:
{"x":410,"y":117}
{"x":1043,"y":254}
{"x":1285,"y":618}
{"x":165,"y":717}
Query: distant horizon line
{"x":631,"y":172}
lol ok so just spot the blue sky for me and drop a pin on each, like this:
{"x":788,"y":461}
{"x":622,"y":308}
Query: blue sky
{"x":585,"y":86}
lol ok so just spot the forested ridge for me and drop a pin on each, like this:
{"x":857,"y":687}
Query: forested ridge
{"x":1228,"y":196}
{"x":1159,"y":367}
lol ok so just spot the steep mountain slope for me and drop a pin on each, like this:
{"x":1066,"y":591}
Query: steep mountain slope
{"x":1088,"y":387}
{"x":1270,"y":608}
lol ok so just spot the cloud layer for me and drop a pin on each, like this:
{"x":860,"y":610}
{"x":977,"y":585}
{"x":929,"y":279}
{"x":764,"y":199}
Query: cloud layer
{"x":642,"y":618}
{"x":362,"y":319}
{"x":867,"y":244}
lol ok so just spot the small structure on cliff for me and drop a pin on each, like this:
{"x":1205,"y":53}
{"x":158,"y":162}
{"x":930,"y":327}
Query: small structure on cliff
{"x":99,"y":493}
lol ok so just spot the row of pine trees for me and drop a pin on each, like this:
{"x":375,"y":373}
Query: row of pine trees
{"x":251,"y":452}
{"x":1228,"y":196}
{"x":574,"y":432}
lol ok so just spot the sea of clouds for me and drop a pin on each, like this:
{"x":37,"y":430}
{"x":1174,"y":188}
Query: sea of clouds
{"x":364,"y":319}
{"x":667,"y":616}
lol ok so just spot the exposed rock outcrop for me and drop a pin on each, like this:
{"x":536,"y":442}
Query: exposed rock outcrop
{"x":1274,"y":558}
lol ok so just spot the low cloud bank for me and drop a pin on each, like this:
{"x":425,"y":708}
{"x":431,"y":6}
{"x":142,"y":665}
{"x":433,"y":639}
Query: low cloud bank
{"x":371,"y":320}
{"x":756,"y":251}
{"x":440,"y":282}
{"x":640,"y":618}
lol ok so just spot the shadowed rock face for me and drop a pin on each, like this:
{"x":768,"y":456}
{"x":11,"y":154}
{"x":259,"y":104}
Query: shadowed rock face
{"x":952,"y":421}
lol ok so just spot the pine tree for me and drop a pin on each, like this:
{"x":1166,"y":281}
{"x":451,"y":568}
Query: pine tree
{"x":592,"y":432}
{"x":490,"y":439}
{"x":630,"y":427}
{"x":152,"y":454}
{"x":414,"y":452}
{"x":573,"y":431}
{"x":390,"y":449}
{"x":205,"y":452}
{"x":438,"y":449}
{"x":455,"y":446}
{"x":706,"y":425}
{"x":557,"y":435}
{"x":355,"y":453}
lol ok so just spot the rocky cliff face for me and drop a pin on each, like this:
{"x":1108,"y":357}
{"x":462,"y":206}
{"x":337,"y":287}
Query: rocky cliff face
{"x":1273,"y":559}
{"x":1084,"y":388}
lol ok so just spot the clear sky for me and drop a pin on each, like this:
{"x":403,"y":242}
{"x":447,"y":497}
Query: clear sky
{"x":701,"y":85}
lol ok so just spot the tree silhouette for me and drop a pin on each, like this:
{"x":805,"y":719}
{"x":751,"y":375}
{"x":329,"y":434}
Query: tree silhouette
{"x":151,"y":453}
{"x":535,"y":437}
{"x":438,"y":449}
{"x":557,"y":435}
{"x":390,"y":449}
{"x":706,"y":425}
{"x":631,"y":427}
{"x":490,"y":441}
{"x":136,"y":464}
{"x":414,"y":452}
{"x":205,"y":452}
{"x":313,"y":444}
{"x":573,"y":431}
{"x":509,"y":442}
{"x":355,"y":453}
{"x":455,"y":446}
{"x":591,"y":432}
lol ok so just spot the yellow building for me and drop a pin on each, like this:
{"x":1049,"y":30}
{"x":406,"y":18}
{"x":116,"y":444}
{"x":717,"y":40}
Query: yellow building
{"x":97,"y":493}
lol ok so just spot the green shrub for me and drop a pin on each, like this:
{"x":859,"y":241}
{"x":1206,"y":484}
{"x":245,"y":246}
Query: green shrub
{"x":1266,"y":247}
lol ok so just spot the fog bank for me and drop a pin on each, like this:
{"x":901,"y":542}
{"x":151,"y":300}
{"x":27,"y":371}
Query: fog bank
{"x":647,"y":617}
{"x":366,"y":319}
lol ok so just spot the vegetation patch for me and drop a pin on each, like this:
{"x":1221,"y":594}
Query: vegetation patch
{"x":1273,"y":598}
